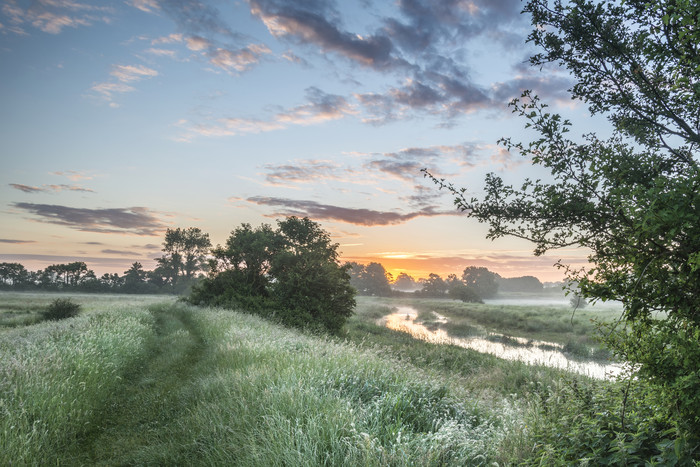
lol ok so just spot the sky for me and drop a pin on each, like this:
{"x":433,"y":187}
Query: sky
{"x":121,"y":119}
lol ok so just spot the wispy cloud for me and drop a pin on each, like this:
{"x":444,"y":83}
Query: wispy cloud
{"x":52,"y":16}
{"x":27,"y":188}
{"x":132,"y":73}
{"x":49,"y":188}
{"x":15,"y":242}
{"x":123,"y":76}
{"x":203,"y":31}
{"x":320,"y":107}
{"x":132,"y":221}
{"x":120,"y":252}
{"x":306,"y":171}
{"x":361,"y":216}
{"x":73,"y":175}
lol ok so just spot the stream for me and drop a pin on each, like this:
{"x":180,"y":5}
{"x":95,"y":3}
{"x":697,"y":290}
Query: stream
{"x":529,"y":351}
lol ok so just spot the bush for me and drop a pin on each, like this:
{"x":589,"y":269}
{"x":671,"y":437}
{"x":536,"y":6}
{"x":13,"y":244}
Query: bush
{"x":61,"y":308}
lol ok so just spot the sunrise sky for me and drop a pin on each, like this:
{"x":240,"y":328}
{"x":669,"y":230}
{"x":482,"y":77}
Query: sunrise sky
{"x":120,"y":119}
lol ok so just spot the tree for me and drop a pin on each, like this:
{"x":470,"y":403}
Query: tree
{"x":459,"y":291}
{"x":310,"y":284}
{"x":520,"y":284}
{"x":376,"y":280}
{"x":632,"y":200}
{"x":185,"y":253}
{"x":434,"y":286}
{"x":405,"y":282}
{"x":13,"y":274}
{"x":134,"y":278}
{"x":291,"y":274}
{"x":482,"y":281}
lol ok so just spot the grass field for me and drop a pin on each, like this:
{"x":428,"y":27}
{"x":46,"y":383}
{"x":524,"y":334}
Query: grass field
{"x":143,"y":383}
{"x":146,"y":380}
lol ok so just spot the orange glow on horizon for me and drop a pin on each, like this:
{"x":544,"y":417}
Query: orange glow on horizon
{"x":421,"y":267}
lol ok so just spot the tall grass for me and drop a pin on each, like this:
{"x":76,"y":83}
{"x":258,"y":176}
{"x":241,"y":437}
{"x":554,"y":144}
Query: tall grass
{"x":271,"y":396}
{"x":55,"y":377}
{"x":181,"y":385}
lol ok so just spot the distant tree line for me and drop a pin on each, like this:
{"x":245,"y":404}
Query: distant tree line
{"x":474,"y":285}
{"x":182,"y":264}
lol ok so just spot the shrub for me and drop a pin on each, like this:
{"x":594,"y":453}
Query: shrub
{"x":61,"y":308}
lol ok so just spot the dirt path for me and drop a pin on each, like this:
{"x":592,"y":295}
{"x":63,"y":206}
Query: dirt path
{"x":151,"y":396}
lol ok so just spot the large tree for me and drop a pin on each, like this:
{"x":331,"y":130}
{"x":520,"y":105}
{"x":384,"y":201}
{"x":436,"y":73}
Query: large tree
{"x":632,"y":200}
{"x":291,"y":273}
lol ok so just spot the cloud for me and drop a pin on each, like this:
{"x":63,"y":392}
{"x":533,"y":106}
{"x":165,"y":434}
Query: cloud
{"x":237,"y":59}
{"x":123,"y":74}
{"x":27,"y":188}
{"x":145,"y":5}
{"x":402,"y":170}
{"x":16,"y":242}
{"x":52,"y":16}
{"x":320,"y":107}
{"x":363,"y":217}
{"x":311,"y":171}
{"x":310,"y":22}
{"x":132,"y":221}
{"x":47,"y":188}
{"x":131,"y":73}
{"x":204,"y":31}
{"x":73,"y":175}
{"x":120,"y":252}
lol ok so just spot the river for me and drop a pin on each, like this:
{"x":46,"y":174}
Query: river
{"x":529,"y":351}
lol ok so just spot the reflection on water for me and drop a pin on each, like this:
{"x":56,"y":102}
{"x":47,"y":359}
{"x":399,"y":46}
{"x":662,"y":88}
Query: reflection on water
{"x":527,"y":350}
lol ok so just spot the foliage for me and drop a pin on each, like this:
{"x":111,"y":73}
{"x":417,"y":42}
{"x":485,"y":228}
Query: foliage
{"x":481,"y":280}
{"x":595,"y":423}
{"x":185,"y":251}
{"x":464,"y":293}
{"x":405,"y":282}
{"x":371,"y":279}
{"x":434,"y":286}
{"x":632,"y":200}
{"x":13,"y":274}
{"x":291,"y":274}
{"x":529,"y":284}
{"x":61,"y":308}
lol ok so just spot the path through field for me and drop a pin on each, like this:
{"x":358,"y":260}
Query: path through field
{"x":135,"y":420}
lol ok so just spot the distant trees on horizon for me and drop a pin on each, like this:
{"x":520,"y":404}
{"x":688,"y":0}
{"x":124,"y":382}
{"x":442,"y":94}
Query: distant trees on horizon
{"x":474,"y":285}
{"x":177,"y":270}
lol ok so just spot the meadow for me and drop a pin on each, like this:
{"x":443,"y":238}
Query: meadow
{"x":149,"y":380}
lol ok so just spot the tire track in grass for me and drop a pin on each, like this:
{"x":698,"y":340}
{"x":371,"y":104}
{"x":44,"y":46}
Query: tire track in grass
{"x":153,"y":394}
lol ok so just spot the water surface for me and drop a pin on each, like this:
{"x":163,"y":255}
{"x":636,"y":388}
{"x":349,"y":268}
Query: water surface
{"x":530,"y":351}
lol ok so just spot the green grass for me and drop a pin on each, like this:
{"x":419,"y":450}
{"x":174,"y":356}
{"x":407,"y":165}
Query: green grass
{"x":173,"y":384}
{"x":133,"y":382}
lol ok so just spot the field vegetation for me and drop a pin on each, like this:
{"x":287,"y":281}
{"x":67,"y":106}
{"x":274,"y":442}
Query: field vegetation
{"x":135,"y":381}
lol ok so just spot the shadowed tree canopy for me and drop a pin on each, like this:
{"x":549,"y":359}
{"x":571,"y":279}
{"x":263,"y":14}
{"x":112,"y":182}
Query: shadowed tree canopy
{"x":291,"y":274}
{"x":632,"y":200}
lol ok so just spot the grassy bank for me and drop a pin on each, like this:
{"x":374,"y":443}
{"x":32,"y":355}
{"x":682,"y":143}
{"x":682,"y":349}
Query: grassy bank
{"x":171,"y":384}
